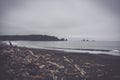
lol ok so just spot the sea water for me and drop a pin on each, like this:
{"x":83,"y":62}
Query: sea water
{"x":93,"y":47}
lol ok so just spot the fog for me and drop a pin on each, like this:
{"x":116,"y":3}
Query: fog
{"x":92,"y":19}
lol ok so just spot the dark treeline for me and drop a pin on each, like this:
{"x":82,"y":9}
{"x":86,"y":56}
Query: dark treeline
{"x":30,"y":38}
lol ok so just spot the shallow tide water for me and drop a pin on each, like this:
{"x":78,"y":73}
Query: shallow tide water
{"x":93,"y":47}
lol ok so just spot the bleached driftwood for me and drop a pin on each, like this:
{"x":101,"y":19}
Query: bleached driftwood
{"x":53,"y":74}
{"x":82,"y":72}
{"x":66,"y":59}
{"x":55,"y":64}
{"x":10,"y":44}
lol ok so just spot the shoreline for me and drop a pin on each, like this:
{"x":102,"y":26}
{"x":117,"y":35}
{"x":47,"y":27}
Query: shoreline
{"x":69,"y":65}
{"x":114,"y":52}
{"x":81,"y":51}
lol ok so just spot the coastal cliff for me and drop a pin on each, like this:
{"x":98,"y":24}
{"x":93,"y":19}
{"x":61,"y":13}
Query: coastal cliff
{"x":30,"y":38}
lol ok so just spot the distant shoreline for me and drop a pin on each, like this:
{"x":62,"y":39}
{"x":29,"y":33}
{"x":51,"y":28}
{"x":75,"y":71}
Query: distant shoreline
{"x":30,"y":38}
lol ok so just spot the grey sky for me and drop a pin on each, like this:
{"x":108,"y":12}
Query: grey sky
{"x":94,"y":19}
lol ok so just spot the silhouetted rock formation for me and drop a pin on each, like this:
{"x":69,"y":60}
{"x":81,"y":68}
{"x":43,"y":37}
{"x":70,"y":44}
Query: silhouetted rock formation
{"x":30,"y":38}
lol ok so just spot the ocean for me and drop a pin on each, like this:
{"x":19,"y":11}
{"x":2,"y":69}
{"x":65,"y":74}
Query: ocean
{"x":92,"y":47}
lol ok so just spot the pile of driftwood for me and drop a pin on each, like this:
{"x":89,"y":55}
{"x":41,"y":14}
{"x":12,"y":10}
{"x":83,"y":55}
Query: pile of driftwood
{"x":23,"y":64}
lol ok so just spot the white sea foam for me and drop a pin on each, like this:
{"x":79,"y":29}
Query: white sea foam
{"x":87,"y":51}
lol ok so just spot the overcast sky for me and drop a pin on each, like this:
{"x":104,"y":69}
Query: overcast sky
{"x":93,"y":19}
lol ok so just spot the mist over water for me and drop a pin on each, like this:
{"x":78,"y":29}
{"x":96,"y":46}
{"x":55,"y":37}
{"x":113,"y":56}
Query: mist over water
{"x":94,"y":19}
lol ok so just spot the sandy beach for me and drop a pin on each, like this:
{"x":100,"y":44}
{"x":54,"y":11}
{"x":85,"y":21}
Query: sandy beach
{"x":21,"y":63}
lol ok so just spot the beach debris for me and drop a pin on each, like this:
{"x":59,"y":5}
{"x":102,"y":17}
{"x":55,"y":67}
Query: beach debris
{"x":53,"y":74}
{"x":25,"y":64}
{"x":37,"y":77}
{"x":55,"y":64}
{"x":41,"y":66}
{"x":10,"y":44}
{"x":82,"y":72}
{"x":25,"y":74}
{"x":99,"y":65}
{"x":66,"y":59}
